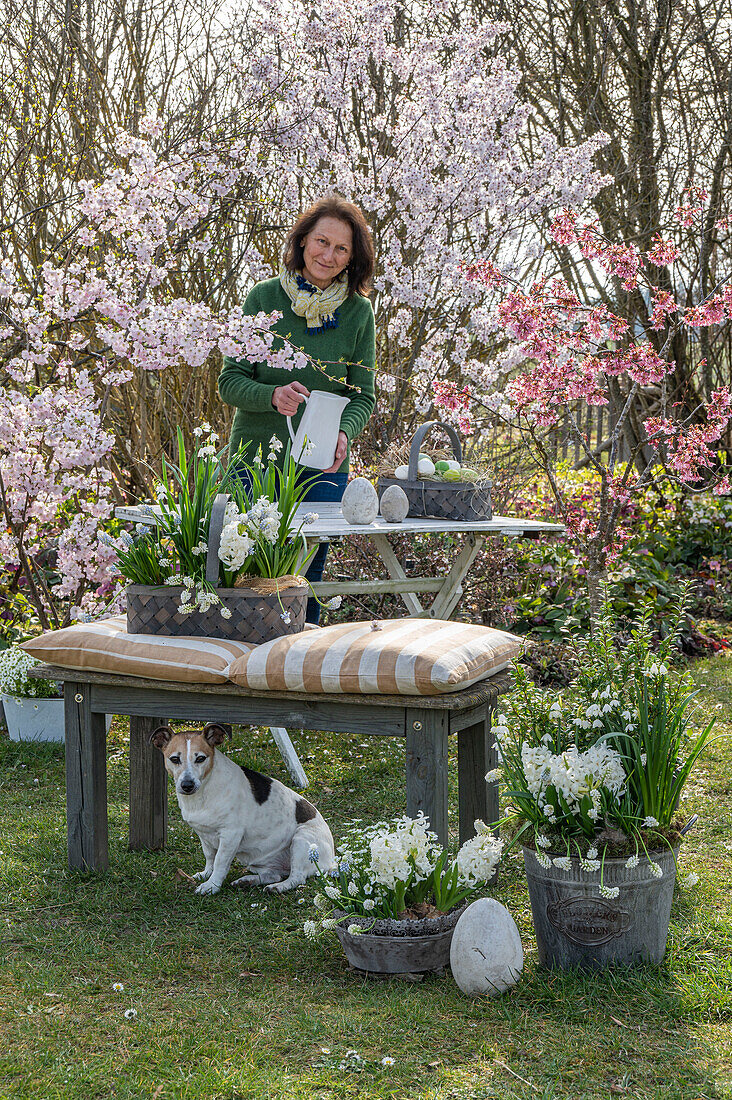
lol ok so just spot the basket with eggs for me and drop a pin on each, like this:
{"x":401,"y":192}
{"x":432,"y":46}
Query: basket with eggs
{"x":441,"y":488}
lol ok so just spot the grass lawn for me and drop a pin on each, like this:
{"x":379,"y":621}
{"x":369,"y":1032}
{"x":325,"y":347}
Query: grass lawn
{"x":232,"y":1002}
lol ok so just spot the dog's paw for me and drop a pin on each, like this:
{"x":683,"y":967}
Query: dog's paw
{"x":208,"y":888}
{"x":246,"y":880}
{"x":201,"y":876}
{"x":282,"y":887}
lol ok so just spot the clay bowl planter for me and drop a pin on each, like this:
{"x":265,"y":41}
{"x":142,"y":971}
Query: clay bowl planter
{"x":398,"y":946}
{"x":576,"y":927}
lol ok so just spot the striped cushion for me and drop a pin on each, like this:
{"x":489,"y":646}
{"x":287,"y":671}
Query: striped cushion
{"x":105,"y":646}
{"x":401,"y":657}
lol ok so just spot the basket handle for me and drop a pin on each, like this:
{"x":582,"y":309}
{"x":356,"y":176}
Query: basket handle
{"x":419,"y":435}
{"x":215,"y":527}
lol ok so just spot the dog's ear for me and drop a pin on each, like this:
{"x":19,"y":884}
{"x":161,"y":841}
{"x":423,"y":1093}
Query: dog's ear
{"x":160,"y":736}
{"x":216,"y":733}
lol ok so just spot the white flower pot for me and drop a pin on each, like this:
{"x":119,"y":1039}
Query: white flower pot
{"x":30,"y":719}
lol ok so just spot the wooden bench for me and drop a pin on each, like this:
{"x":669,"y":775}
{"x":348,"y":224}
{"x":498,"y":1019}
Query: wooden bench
{"x":425,"y":723}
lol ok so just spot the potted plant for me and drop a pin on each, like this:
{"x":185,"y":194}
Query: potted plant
{"x":218,"y":559}
{"x":593,"y":778}
{"x":34,"y":709}
{"x":395,"y":895}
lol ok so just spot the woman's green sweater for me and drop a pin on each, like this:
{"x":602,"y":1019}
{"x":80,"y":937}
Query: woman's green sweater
{"x":346,"y":353}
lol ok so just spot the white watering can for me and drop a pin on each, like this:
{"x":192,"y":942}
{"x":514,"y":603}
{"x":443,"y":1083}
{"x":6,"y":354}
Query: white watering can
{"x":314,"y":443}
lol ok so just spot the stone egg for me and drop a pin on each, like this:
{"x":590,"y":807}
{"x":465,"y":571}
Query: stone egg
{"x":394,"y":504}
{"x":402,"y":472}
{"x":360,"y":502}
{"x":486,"y":956}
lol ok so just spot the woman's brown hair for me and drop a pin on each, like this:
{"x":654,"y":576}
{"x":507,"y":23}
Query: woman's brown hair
{"x":360,"y":268}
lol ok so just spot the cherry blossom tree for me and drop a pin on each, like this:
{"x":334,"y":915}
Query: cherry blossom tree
{"x":418,"y":120}
{"x":573,"y":351}
{"x":82,"y":327}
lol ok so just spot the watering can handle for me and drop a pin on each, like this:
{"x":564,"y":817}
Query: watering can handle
{"x":289,"y":420}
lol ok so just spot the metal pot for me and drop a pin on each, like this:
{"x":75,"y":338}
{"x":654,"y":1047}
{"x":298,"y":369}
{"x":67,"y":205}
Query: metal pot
{"x":576,"y":927}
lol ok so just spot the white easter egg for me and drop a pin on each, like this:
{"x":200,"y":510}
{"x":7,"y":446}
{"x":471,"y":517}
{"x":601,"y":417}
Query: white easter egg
{"x":453,"y":464}
{"x":486,"y":955}
{"x":402,"y":472}
{"x":360,"y":502}
{"x":426,"y":467}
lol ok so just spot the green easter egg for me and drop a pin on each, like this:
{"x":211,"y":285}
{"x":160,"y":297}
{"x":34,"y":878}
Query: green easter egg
{"x":441,"y":466}
{"x":467,"y":474}
{"x":422,"y":455}
{"x":452,"y":475}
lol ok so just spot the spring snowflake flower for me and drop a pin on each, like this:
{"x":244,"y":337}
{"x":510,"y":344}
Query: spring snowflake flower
{"x":355,"y":930}
{"x":563,"y":862}
{"x":369,"y":904}
{"x":118,"y":987}
{"x":656,"y":870}
{"x":333,"y":892}
{"x":609,"y":891}
{"x":590,"y":864}
{"x":493,"y":776}
{"x":543,"y":841}
{"x":320,"y":901}
{"x":543,"y":860}
{"x":632,"y":862}
{"x":329,"y":923}
{"x":225,"y":613}
{"x":592,"y":853}
{"x":310,"y":929}
{"x":691,"y":880}
{"x":286,"y":617}
{"x":130,"y":1013}
{"x":650,"y":823}
{"x":334,"y":603}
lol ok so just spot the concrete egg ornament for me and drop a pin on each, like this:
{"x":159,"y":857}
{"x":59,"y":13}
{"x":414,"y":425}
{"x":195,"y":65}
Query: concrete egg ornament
{"x":360,"y":502}
{"x":394,"y":505}
{"x":486,"y":956}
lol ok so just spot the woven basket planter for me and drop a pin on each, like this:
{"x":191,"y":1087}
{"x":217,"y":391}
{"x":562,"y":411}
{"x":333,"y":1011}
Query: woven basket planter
{"x":438,"y":499}
{"x":256,"y":616}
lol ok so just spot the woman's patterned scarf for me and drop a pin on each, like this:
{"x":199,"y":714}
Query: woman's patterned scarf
{"x":318,"y":307}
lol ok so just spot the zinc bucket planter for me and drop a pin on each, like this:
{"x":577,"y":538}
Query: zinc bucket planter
{"x":398,"y":946}
{"x":32,"y":719}
{"x":576,"y":927}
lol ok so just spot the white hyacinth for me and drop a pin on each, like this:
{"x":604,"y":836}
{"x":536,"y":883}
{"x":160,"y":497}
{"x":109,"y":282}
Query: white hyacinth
{"x":479,"y":856}
{"x":573,"y":774}
{"x":235,"y":546}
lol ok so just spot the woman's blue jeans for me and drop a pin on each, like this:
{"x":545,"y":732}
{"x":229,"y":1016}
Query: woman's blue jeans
{"x":326,"y":488}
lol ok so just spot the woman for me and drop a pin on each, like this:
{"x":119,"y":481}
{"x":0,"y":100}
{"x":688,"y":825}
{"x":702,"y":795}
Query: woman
{"x":326,"y":272}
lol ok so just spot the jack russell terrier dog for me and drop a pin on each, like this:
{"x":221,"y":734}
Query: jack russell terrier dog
{"x":240,"y":814}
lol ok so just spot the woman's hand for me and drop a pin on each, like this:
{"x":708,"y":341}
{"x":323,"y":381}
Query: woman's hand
{"x":286,"y":399}
{"x":340,"y":453}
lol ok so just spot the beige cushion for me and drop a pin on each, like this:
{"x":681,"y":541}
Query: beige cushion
{"x":402,"y":657}
{"x":105,"y":646}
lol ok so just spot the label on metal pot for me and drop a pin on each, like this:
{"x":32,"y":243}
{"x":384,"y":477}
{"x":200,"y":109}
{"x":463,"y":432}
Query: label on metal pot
{"x":588,"y":921}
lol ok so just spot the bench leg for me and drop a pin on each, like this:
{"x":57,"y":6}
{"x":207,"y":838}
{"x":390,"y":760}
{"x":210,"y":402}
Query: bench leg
{"x":476,"y":756}
{"x":289,"y":755}
{"x":86,"y":781}
{"x":148,"y":787}
{"x":426,"y":763}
